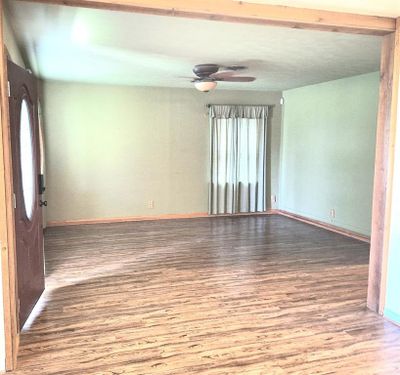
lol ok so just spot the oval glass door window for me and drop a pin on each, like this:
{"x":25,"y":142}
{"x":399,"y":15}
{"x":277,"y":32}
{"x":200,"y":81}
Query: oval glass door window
{"x":27,"y":160}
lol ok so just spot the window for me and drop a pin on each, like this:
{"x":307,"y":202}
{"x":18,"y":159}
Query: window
{"x":27,"y":159}
{"x":238,"y":154}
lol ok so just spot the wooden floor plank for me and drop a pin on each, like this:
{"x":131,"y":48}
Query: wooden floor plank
{"x":242,"y":295}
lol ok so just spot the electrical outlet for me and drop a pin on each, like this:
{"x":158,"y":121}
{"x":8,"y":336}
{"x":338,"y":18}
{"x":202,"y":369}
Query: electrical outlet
{"x":150,"y":204}
{"x":273,"y":198}
{"x":332,"y":213}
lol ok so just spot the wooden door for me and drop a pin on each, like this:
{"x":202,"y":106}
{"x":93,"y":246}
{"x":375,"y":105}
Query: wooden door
{"x":24,"y":125}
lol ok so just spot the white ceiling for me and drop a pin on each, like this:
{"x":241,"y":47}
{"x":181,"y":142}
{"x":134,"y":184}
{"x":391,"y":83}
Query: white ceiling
{"x":88,"y":45}
{"x":387,"y":8}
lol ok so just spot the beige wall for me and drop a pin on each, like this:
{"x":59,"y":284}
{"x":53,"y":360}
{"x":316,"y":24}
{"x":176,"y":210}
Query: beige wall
{"x":112,"y":149}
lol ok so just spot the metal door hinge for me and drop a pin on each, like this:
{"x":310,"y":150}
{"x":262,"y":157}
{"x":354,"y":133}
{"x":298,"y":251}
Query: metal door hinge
{"x":14,"y":200}
{"x":9,"y":89}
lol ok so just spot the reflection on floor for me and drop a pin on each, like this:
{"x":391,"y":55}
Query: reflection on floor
{"x":244,"y":295}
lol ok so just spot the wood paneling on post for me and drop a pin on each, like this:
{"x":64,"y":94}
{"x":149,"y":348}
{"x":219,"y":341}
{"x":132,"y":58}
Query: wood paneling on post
{"x":387,"y":121}
{"x":7,"y":235}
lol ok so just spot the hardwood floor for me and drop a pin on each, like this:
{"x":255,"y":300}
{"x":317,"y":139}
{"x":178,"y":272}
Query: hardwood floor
{"x":245,"y":295}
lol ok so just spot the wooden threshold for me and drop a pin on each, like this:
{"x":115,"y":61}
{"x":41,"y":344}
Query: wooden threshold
{"x":243,"y":12}
{"x":330,"y":227}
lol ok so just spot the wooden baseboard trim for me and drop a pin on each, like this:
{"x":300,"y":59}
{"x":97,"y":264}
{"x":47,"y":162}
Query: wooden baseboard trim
{"x":194,"y":215}
{"x":330,"y":227}
{"x":304,"y":219}
{"x":268,"y":212}
{"x":125,"y":219}
{"x":392,"y":317}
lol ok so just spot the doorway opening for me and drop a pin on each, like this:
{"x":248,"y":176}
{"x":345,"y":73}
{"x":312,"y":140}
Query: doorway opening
{"x":106,"y":146}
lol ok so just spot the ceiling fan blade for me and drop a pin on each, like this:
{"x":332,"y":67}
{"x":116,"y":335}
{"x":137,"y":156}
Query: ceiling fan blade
{"x":235,"y":68}
{"x":235,"y":79}
{"x":223,"y":74}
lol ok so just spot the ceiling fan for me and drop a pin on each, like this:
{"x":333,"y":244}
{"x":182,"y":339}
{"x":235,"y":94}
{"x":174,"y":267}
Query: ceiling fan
{"x":208,"y":75}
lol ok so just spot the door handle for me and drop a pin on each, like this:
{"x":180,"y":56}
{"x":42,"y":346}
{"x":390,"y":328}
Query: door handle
{"x":43,"y":203}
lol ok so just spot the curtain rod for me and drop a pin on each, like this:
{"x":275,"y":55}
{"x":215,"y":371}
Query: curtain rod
{"x":244,"y":105}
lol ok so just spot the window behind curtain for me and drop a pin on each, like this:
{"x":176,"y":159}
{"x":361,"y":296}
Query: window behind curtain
{"x":238,"y":158}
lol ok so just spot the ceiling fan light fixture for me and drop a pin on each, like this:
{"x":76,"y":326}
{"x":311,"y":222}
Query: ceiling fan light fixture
{"x":205,"y":86}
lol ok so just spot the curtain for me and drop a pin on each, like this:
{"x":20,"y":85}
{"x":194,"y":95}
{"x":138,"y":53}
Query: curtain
{"x":238,"y":158}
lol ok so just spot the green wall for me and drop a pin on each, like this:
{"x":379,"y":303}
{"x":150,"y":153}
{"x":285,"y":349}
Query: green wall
{"x":112,"y":149}
{"x":328,"y":150}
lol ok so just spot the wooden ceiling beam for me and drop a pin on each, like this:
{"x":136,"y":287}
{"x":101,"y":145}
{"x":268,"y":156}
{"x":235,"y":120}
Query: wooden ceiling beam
{"x":242,"y":12}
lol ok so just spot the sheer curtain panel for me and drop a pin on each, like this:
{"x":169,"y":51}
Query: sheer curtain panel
{"x":238,"y":158}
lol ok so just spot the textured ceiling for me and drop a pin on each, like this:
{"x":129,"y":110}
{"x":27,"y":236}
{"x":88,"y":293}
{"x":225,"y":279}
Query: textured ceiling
{"x":77,"y":44}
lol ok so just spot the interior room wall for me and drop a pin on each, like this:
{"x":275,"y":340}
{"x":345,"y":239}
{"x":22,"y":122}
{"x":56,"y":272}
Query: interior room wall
{"x":328,"y":151}
{"x":113,"y":149}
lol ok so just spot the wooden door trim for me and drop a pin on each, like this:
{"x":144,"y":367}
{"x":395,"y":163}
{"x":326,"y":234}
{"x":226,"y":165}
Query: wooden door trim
{"x":7,"y":231}
{"x":242,"y":12}
{"x":384,"y":170}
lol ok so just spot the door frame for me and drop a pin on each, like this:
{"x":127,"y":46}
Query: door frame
{"x":232,"y":11}
{"x":387,"y":123}
{"x":7,"y":226}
